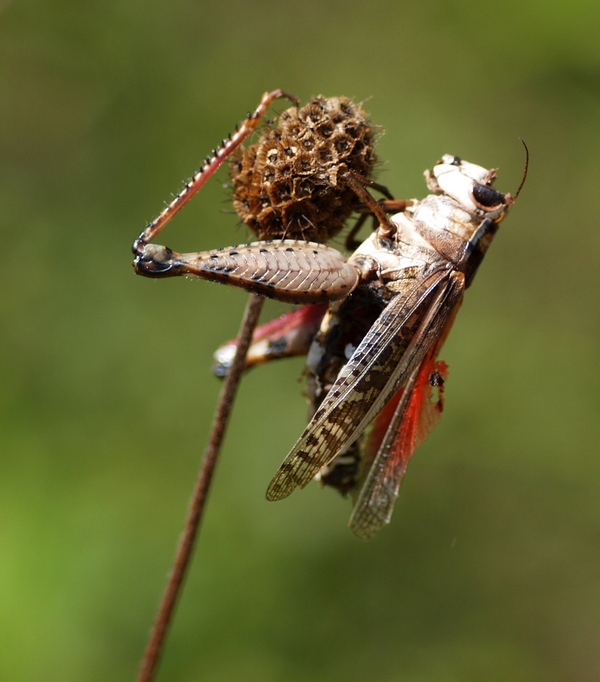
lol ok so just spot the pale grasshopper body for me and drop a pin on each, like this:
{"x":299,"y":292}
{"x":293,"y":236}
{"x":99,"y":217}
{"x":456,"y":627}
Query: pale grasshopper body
{"x":392,"y":303}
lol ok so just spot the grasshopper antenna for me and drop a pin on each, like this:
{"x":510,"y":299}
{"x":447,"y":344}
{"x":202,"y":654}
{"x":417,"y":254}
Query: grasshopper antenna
{"x":524,"y":171}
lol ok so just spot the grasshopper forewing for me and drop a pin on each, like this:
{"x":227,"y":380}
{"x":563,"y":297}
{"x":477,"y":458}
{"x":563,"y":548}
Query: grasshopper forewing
{"x":377,"y":369}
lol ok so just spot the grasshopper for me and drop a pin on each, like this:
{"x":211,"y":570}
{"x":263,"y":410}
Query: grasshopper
{"x":373,"y":360}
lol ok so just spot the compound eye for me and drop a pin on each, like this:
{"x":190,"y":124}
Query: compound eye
{"x":456,"y":161}
{"x":487,"y":198}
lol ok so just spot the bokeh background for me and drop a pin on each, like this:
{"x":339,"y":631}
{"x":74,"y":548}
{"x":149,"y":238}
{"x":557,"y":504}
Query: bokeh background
{"x":490,"y":569}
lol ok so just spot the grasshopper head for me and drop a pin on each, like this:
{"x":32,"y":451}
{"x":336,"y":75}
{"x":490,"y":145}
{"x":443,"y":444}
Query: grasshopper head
{"x":470,"y":185}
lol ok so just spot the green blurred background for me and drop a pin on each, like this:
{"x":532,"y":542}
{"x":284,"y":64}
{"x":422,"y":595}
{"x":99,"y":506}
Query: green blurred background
{"x":490,"y":569}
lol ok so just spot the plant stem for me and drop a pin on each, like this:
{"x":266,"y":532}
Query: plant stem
{"x":181,"y":562}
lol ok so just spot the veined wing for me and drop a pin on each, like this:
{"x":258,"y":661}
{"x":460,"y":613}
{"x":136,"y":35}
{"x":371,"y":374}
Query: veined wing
{"x":379,"y":366}
{"x":413,"y":419}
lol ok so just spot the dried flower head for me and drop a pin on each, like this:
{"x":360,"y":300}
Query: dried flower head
{"x":292,"y":182}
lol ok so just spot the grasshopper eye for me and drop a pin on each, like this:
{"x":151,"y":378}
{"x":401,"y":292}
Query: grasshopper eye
{"x":487,"y":198}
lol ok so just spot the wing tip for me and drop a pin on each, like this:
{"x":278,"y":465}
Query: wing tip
{"x":368,"y":518}
{"x":365,"y":529}
{"x":278,"y":489}
{"x":367,"y":526}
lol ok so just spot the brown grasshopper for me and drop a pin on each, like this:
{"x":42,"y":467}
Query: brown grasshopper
{"x":392,"y":302}
{"x":373,"y":360}
{"x":413,"y":282}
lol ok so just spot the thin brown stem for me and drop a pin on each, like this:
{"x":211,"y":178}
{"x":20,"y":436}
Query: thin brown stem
{"x":196,"y":509}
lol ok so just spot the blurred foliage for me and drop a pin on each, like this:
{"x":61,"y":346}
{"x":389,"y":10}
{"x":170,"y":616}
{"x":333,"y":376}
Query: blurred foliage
{"x":490,"y":569}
